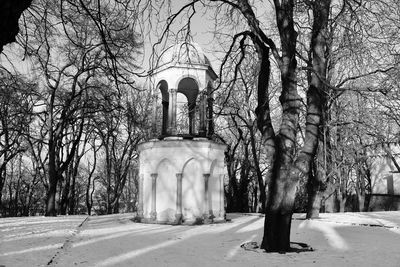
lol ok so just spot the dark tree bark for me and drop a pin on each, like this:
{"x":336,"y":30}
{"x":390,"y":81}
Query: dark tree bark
{"x":64,"y":203}
{"x":281,"y":147}
{"x":89,"y":194}
{"x":320,"y":182}
{"x":316,"y":186}
{"x":231,"y":191}
{"x":360,"y":187}
{"x":260,"y":180}
{"x":52,"y":189}
{"x":316,"y":100}
{"x":243,"y":195}
{"x":56,"y":166}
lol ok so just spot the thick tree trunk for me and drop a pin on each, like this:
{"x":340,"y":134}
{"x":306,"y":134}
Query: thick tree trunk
{"x":2,"y":183}
{"x":361,"y":202}
{"x":277,"y":226}
{"x":74,"y":173}
{"x":52,"y":172}
{"x":108,"y":175}
{"x":279,"y":208}
{"x":53,"y":181}
{"x":243,"y":203}
{"x":64,"y":203}
{"x":260,"y":180}
{"x":315,"y":194}
{"x":115,"y":206}
{"x":10,"y":203}
{"x":314,"y":204}
{"x":282,"y":187}
{"x":360,"y":188}
{"x":342,"y":200}
{"x":342,"y":204}
{"x":317,"y":106}
{"x":232,"y":190}
{"x":87,"y":196}
{"x":51,"y":197}
{"x":317,"y":182}
{"x":255,"y":200}
{"x":71,"y":196}
{"x":281,"y":147}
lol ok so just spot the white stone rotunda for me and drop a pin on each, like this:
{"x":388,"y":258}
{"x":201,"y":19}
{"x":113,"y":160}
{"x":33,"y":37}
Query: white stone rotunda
{"x":182,"y":168}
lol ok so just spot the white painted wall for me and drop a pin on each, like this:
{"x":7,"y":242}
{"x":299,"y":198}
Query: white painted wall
{"x":192,"y":158}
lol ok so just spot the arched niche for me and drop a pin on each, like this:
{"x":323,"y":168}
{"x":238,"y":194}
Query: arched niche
{"x":192,"y":190}
{"x":146,"y":188}
{"x":215,"y":186}
{"x":166,"y":191}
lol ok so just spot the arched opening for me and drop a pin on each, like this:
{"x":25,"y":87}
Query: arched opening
{"x":166,"y":191}
{"x":162,"y":122}
{"x":215,"y":187}
{"x":189,"y":88}
{"x":182,"y":115}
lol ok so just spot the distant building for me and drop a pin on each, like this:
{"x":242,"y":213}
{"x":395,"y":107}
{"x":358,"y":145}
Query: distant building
{"x":385,"y":180}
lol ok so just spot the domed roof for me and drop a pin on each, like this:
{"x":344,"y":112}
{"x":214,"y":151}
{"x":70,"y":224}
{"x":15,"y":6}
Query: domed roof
{"x":183,"y":53}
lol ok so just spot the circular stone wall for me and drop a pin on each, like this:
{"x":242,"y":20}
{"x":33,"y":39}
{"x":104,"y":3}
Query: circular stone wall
{"x":181,"y":181}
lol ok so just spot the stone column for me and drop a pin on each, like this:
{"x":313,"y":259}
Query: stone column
{"x":140,"y":208}
{"x":178,"y":214}
{"x":172,"y":111}
{"x":221,"y":197}
{"x":206,"y":211}
{"x":153,"y":213}
{"x":202,"y":115}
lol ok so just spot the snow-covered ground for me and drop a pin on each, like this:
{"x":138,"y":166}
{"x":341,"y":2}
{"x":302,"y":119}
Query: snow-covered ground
{"x":349,"y":239}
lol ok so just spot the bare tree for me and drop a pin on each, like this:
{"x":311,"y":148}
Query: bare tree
{"x":16,"y":113}
{"x":75,"y":46}
{"x":120,"y":126}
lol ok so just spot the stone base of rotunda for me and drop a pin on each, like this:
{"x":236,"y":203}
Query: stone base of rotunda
{"x":181,"y":181}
